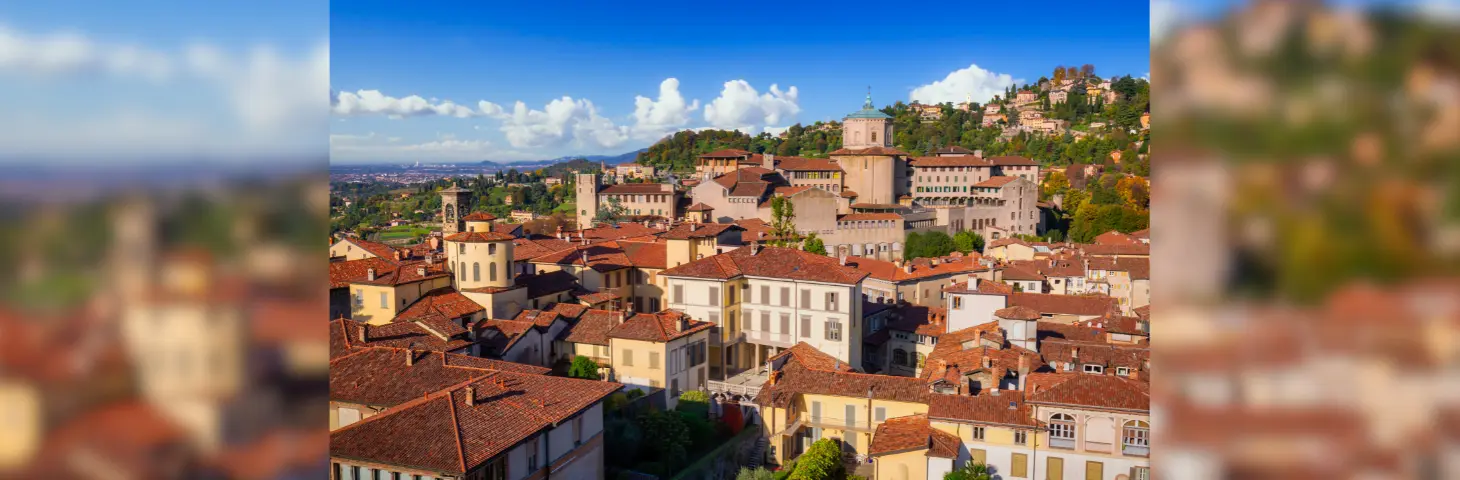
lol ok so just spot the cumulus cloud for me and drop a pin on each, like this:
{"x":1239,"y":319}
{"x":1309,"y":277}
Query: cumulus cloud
{"x":1165,"y":15}
{"x":269,"y":92}
{"x":562,"y":121}
{"x":68,"y":52}
{"x":740,"y":107}
{"x":654,"y":119}
{"x":972,"y":82}
{"x":373,"y":102}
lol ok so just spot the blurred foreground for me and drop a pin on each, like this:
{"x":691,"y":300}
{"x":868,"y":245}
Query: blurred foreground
{"x":1306,"y":203}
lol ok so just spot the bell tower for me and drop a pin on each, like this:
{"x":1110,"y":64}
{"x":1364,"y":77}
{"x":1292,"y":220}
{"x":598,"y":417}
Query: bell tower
{"x":586,"y":192}
{"x":455,"y":202}
{"x":867,"y":127}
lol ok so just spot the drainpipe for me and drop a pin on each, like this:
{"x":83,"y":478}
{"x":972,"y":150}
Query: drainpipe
{"x":548,"y":439}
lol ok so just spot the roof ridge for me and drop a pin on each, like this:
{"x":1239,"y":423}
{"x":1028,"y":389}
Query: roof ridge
{"x":456,"y":432}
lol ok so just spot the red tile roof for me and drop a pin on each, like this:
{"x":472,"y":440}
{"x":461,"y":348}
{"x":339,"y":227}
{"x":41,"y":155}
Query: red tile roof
{"x":131,"y":439}
{"x":406,"y":272}
{"x":602,"y":257}
{"x":699,"y":230}
{"x":478,"y":237}
{"x":637,"y":188}
{"x":1133,"y":250}
{"x":811,"y":358}
{"x":380,"y":250}
{"x":1020,"y":273}
{"x":594,"y":298}
{"x":883,"y":151}
{"x":381,"y":377}
{"x":592,"y":326}
{"x":1115,"y":238}
{"x":1006,"y":161}
{"x":527,"y":249}
{"x":458,"y":429}
{"x":912,"y":433}
{"x":1049,"y":304}
{"x":507,"y":334}
{"x":344,"y":272}
{"x":543,"y":319}
{"x":1017,"y":313}
{"x":964,"y":161}
{"x":699,"y":207}
{"x":618,"y":231}
{"x":921,"y":267}
{"x":985,"y":409}
{"x":478,"y":217}
{"x":663,"y":326}
{"x":951,"y":359}
{"x":794,"y":379}
{"x":1090,"y":353}
{"x":1101,"y":392}
{"x":849,"y":194}
{"x":444,"y":302}
{"x":726,"y":153}
{"x":859,"y":217}
{"x":345,"y":337}
{"x":995,"y":182}
{"x":773,"y":262}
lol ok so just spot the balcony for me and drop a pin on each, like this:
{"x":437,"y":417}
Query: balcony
{"x":861,"y":424}
{"x":744,"y":384}
{"x":1136,"y":450}
{"x":767,"y":338}
{"x":1063,"y":443}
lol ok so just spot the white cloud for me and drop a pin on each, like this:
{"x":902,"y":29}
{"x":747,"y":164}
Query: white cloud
{"x":654,"y":119}
{"x":1442,"y":10}
{"x":971,"y":82}
{"x":740,"y":107}
{"x":270,"y":93}
{"x":1165,"y":15}
{"x":68,"y":53}
{"x":372,"y":102}
{"x":562,"y":121}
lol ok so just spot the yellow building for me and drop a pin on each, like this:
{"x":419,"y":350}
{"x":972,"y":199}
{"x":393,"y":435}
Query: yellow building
{"x":802,"y":404}
{"x":377,"y":298}
{"x":665,"y":350}
{"x":481,"y":269}
{"x":351,"y":248}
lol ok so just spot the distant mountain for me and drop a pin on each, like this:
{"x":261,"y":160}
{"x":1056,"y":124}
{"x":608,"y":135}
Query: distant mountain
{"x":526,"y":164}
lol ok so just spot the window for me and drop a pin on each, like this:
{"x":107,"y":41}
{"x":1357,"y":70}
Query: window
{"x":831,"y":302}
{"x":805,"y":298}
{"x":532,"y":455}
{"x":1135,"y":438}
{"x":731,"y":292}
{"x":1092,"y":368}
{"x":384,"y":302}
{"x":628,"y":357}
{"x":978,"y":433}
{"x":461,"y":272}
{"x":359,"y":297}
{"x":1021,"y":437}
{"x":461,"y":248}
{"x":714,"y":296}
{"x":957,"y":303}
{"x":679,"y":294}
{"x":476,"y":272}
{"x":491,"y":249}
{"x":674,"y":388}
{"x":785,"y":296}
{"x":880,"y":413}
{"x":1062,"y":431}
{"x":899,"y":357}
{"x":805,"y":326}
{"x":834,"y":331}
{"x":1140,"y":473}
{"x":1122,"y":371}
{"x":654,"y":360}
{"x":765,"y":295}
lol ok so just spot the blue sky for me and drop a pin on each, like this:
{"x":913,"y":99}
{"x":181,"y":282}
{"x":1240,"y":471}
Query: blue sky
{"x":593,"y":60}
{"x":149,"y":80}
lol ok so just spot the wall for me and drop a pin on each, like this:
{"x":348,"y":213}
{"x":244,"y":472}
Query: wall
{"x":874,"y":178}
{"x":662,"y":204}
{"x":997,"y":448}
{"x":1114,"y":464}
{"x":718,"y":198}
{"x":586,"y":192}
{"x":911,"y":465}
{"x":833,"y":416}
{"x":349,"y":250}
{"x":973,"y":309}
{"x":848,"y":314}
{"x":482,"y":257}
{"x":20,"y":426}
{"x":815,"y":211}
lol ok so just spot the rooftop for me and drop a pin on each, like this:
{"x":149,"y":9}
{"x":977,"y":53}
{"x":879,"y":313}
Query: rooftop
{"x":912,"y":433}
{"x":771,"y":262}
{"x":661,"y":327}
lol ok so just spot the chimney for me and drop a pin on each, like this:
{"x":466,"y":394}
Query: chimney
{"x":434,"y":242}
{"x":683,"y":323}
{"x":769,"y":161}
{"x":421,"y":270}
{"x":1075,"y":353}
{"x":1135,"y":374}
{"x":360,"y":334}
{"x":699,"y":256}
{"x":560,"y":232}
{"x":370,"y":274}
{"x":398,"y":255}
{"x":987,"y":362}
{"x":693,"y":227}
{"x":897,"y":262}
{"x":907,"y":267}
{"x":994,"y":391}
{"x":471,"y":396}
{"x":410,"y":357}
{"x":843,"y":260}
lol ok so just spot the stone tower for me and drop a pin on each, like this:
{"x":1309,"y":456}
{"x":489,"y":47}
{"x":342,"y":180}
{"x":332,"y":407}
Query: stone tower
{"x":455,"y":202}
{"x":867,"y":127}
{"x":587,"y":194}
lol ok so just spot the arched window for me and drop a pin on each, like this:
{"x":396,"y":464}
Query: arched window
{"x":874,"y":137}
{"x":1062,"y":430}
{"x":461,"y":272}
{"x":1135,"y":438}
{"x":899,"y":357}
{"x":476,"y":272}
{"x":493,"y":268}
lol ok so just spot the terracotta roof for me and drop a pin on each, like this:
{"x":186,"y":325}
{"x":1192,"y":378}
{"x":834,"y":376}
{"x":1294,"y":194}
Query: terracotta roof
{"x":1053,"y":266}
{"x":380,"y":250}
{"x":1115,"y":238}
{"x":444,"y":302}
{"x":131,"y":438}
{"x":773,"y":262}
{"x":380,"y":377}
{"x":912,"y":433}
{"x":1114,"y":322}
{"x":1021,"y":273}
{"x":1105,"y":392}
{"x":592,"y":326}
{"x":637,"y":188}
{"x":1144,"y":312}
{"x":857,"y":217}
{"x":478,"y":237}
{"x":543,"y":284}
{"x":646,"y":254}
{"x":406,"y":272}
{"x":795,"y":379}
{"x":618,"y":231}
{"x":687,"y":231}
{"x":568,"y":310}
{"x":1048,"y":330}
{"x":884,"y":151}
{"x":344,"y":272}
{"x":658,"y":327}
{"x":1089,"y":353}
{"x":750,"y":189}
{"x":747,"y":174}
{"x":921,"y":267}
{"x":1143,"y":233}
{"x":801,"y":164}
{"x":1006,"y":161}
{"x":1017,"y":313}
{"x":1049,"y":304}
{"x":1005,"y":241}
{"x":811,"y":358}
{"x":602,"y":256}
{"x":1135,"y":250}
{"x":524,"y":249}
{"x":964,"y":161}
{"x":951,"y":359}
{"x":753,"y":228}
{"x":458,"y":429}
{"x":849,"y":194}
{"x":986,"y":408}
{"x":789,"y":190}
{"x":509,"y":332}
{"x":543,"y":319}
{"x":699,"y":207}
{"x":345,"y":337}
{"x":995,"y":182}
{"x":478,"y":217}
{"x":980,"y":286}
{"x":594,"y":298}
{"x":955,"y":149}
{"x":726,"y":153}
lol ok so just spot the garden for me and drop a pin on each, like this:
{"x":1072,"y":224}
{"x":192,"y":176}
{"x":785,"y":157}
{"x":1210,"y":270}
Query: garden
{"x":640,"y":437}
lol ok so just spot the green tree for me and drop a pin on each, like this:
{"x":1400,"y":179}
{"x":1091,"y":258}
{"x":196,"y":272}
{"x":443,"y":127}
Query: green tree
{"x":666,"y":436}
{"x":820,"y":462}
{"x":583,"y":367}
{"x":968,"y":241}
{"x":814,"y":245}
{"x":758,"y":474}
{"x":610,"y":212}
{"x":783,"y":222}
{"x":695,"y":402}
{"x":970,"y":471}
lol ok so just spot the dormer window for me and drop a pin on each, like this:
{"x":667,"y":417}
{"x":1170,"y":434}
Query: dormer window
{"x":1122,"y":371}
{"x":1092,"y":368}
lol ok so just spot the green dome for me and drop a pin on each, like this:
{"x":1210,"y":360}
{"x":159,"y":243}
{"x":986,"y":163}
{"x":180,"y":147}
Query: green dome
{"x":868,"y":111}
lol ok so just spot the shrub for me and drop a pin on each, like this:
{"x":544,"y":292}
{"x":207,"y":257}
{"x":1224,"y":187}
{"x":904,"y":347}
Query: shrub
{"x":584,"y":367}
{"x":970,"y":471}
{"x":757,"y":474}
{"x":820,"y":462}
{"x":634,"y":394}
